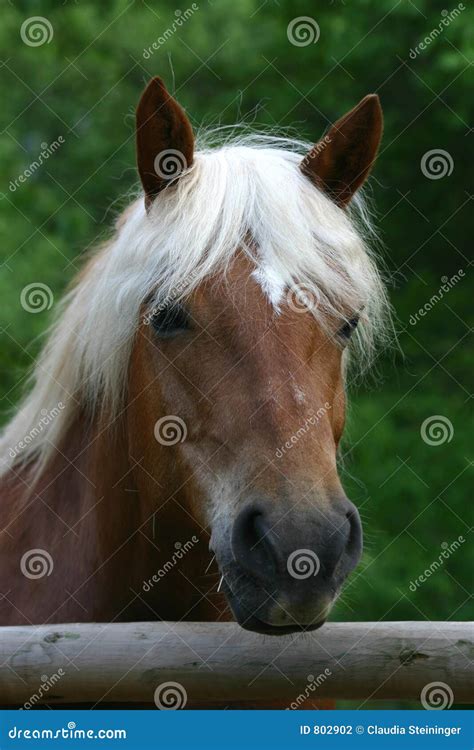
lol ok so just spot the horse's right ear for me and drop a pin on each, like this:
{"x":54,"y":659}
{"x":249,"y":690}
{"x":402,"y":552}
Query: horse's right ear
{"x":341,"y":162}
{"x":165,"y":140}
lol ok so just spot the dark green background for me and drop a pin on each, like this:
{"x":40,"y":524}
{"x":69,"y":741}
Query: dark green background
{"x":232,"y":60}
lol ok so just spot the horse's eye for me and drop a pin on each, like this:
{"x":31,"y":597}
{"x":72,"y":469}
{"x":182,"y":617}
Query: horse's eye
{"x":170,"y":320}
{"x":346,"y":331}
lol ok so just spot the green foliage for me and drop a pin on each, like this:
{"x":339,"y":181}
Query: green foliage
{"x":230,"y":61}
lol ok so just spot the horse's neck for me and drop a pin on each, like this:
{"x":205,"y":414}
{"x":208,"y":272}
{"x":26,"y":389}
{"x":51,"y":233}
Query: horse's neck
{"x":108,"y":553}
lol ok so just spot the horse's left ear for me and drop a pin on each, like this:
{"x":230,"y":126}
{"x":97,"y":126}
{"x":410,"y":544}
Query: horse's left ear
{"x":165,"y":140}
{"x":342,"y":160}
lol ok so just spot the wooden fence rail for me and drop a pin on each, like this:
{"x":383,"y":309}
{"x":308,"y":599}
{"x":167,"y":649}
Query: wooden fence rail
{"x":216,"y":663}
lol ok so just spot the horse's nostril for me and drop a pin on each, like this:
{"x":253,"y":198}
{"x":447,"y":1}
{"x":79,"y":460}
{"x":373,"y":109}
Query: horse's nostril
{"x":263,"y":556}
{"x":251,"y":544}
{"x":354,"y":543}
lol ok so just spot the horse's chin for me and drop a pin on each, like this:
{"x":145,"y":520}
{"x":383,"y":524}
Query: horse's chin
{"x":258,"y":626}
{"x":248,"y":620}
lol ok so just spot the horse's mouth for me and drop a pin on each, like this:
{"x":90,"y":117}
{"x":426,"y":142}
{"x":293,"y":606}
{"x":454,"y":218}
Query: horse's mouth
{"x":258,"y":626}
{"x":250,"y":621}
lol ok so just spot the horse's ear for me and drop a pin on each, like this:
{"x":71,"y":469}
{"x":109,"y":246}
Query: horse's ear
{"x":165,"y":140}
{"x":342,"y":160}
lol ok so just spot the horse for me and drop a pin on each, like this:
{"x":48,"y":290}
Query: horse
{"x":176,"y":455}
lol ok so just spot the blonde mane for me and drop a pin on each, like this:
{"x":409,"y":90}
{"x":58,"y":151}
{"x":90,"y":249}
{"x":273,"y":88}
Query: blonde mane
{"x":245,"y":187}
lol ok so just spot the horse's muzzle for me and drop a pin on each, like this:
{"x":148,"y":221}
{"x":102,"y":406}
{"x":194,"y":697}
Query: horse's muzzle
{"x":286,"y":566}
